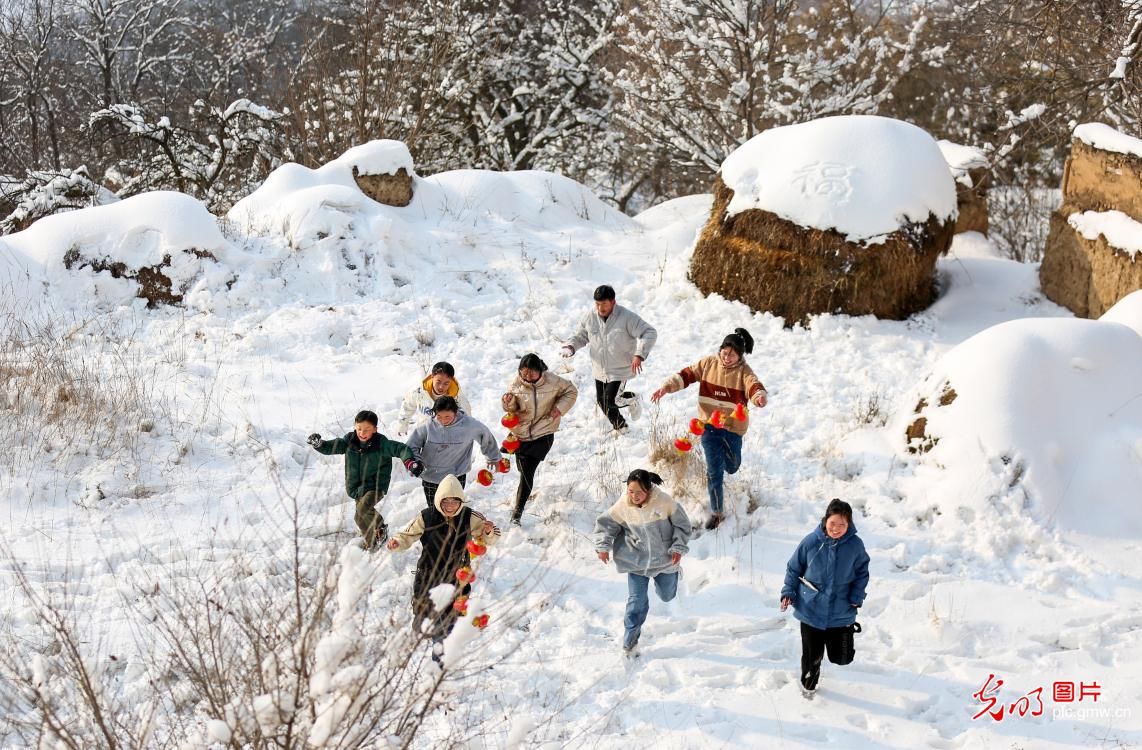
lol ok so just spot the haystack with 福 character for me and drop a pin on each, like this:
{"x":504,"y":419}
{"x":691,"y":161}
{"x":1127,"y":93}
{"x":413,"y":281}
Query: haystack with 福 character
{"x":838,"y":215}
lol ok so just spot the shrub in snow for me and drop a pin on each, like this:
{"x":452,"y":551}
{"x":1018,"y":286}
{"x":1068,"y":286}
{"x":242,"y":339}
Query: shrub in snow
{"x":842,"y":214}
{"x":1092,"y":256}
{"x":972,"y":174}
{"x":42,"y":194}
{"x":1040,"y":415}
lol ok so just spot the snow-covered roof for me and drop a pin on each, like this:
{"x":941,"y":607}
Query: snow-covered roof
{"x":863,"y":176}
{"x":1120,"y":230}
{"x":1107,"y":138}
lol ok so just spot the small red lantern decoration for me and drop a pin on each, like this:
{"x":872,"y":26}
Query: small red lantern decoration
{"x":460,"y":605}
{"x":476,"y":548}
{"x":717,"y":420}
{"x":485,"y":477}
{"x":480,"y":621}
{"x":683,"y":444}
{"x":697,"y":426}
{"x":509,"y":420}
{"x":739,"y":412}
{"x":465,"y":575}
{"x":504,"y":466}
{"x":510,"y":445}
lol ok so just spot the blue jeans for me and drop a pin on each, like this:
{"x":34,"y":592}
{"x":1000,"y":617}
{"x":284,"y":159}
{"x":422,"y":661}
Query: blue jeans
{"x":723,"y":451}
{"x":638,"y":603}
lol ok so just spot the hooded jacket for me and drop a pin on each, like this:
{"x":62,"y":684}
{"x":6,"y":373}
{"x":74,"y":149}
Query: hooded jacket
{"x":837,"y":569}
{"x":443,"y":538}
{"x":416,"y":408}
{"x":533,"y":404}
{"x":447,"y":449}
{"x":368,"y":465}
{"x":614,"y":342}
{"x":641,"y":539}
{"x":720,"y":388}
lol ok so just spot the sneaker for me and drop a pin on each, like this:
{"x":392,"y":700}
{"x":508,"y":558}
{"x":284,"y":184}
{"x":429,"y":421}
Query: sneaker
{"x":631,"y":402}
{"x":715,"y":520}
{"x":630,"y":651}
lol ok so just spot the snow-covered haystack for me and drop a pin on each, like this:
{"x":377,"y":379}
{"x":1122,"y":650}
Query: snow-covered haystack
{"x":972,"y":174}
{"x":842,"y":214}
{"x":152,"y":246}
{"x":1092,"y":255}
{"x":1040,"y":415}
{"x":383,"y":170}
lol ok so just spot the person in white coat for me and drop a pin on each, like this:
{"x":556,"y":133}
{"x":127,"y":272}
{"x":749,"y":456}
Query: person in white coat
{"x":620,"y":341}
{"x":416,"y":409}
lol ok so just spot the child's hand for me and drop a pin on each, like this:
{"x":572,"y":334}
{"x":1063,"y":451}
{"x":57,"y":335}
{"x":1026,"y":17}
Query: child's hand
{"x":506,"y":400}
{"x":392,"y":544}
{"x":605,"y":557}
{"x":489,"y":528}
{"x":675,"y":557}
{"x":657,"y":395}
{"x":785,"y":602}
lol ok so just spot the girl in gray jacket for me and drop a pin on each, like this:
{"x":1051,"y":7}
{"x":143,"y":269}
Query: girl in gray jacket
{"x":647,"y":533}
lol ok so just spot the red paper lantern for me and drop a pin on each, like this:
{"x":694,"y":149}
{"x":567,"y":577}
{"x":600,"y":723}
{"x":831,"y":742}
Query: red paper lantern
{"x":504,"y":466}
{"x":485,"y":477}
{"x":683,"y":444}
{"x":697,"y":426}
{"x":510,"y":445}
{"x":461,"y":605}
{"x":476,"y":548}
{"x":480,"y":621}
{"x":717,"y":420}
{"x":739,"y":412}
{"x":509,"y":420}
{"x":465,"y":575}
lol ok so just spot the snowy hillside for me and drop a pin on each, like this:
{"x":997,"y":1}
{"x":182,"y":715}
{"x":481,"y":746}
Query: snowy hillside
{"x":320,"y":303}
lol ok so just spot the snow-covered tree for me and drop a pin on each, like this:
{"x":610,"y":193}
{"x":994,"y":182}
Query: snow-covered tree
{"x":39,"y":194}
{"x":698,"y":78}
{"x":217,"y":156}
{"x":30,"y":118}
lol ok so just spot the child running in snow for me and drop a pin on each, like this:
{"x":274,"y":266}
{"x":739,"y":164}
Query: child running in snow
{"x":647,"y":532}
{"x":725,"y":385}
{"x":368,"y":470}
{"x":825,"y":581}
{"x":444,"y":531}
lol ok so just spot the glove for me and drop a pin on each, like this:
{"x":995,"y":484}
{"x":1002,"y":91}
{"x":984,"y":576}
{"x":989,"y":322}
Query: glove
{"x":314,"y":440}
{"x":567,"y":351}
{"x":416,"y":468}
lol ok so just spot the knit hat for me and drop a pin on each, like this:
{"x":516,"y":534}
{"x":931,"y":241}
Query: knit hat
{"x":740,"y":341}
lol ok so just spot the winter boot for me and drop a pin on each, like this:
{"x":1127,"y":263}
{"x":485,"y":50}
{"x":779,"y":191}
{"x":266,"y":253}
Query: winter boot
{"x":631,"y":402}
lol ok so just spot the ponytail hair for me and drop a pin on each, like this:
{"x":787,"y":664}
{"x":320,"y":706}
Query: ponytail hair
{"x":740,"y":341}
{"x":644,"y":478}
{"x":532,"y":361}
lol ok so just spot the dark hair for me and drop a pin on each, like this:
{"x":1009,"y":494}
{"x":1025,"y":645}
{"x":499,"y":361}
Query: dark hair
{"x":644,"y":478}
{"x":838,"y":507}
{"x":443,"y":367}
{"x":366,"y":416}
{"x":445,"y":403}
{"x":532,"y":362}
{"x":740,"y":341}
{"x":603,"y":292}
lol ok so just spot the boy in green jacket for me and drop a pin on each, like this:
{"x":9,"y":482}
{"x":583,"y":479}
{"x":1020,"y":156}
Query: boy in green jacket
{"x":368,"y":469}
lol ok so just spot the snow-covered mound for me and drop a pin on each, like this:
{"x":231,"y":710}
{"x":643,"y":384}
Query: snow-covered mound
{"x":1053,"y":405}
{"x":1106,"y":138}
{"x":140,"y":232}
{"x":307,"y":205}
{"x":862,"y":176}
{"x":962,"y":159}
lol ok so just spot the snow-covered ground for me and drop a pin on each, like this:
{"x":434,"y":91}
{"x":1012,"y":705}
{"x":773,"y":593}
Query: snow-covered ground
{"x":338,"y":304}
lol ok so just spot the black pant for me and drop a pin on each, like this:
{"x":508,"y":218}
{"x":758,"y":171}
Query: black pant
{"x":527,"y":459}
{"x":814,"y":642}
{"x":605,"y":395}
{"x":430,"y":489}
